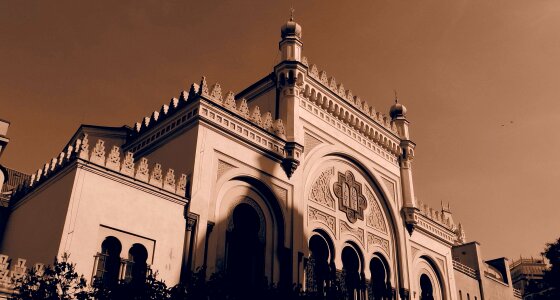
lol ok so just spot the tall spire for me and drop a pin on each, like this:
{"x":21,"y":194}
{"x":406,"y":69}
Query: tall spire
{"x":292,"y":10}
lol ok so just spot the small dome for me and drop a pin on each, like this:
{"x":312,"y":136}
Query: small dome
{"x":291,"y":29}
{"x":397,"y":110}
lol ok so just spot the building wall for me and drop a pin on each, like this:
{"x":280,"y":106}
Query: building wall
{"x":466,"y":286}
{"x":35,"y":225}
{"x":104,"y":204}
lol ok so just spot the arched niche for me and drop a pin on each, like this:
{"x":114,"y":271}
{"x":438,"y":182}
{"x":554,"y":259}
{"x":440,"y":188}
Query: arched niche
{"x":427,"y":280}
{"x":246,"y":195}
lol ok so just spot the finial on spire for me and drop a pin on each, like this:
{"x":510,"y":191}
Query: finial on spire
{"x":292,"y":13}
{"x":396,"y":96}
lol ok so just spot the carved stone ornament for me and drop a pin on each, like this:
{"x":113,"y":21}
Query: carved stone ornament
{"x":316,"y":215}
{"x":351,"y":200}
{"x":320,"y":192}
{"x":374,"y":218}
{"x":374,"y":240}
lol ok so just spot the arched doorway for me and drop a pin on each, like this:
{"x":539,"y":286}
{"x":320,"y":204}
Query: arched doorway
{"x":245,"y":250}
{"x":380,"y":284}
{"x":317,"y":268}
{"x":351,"y":273}
{"x":426,"y":288}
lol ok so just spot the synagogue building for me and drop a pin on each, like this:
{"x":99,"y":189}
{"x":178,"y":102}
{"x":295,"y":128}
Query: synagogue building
{"x":295,"y":180}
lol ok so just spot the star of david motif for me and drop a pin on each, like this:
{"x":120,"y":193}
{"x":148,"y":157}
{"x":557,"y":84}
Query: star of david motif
{"x":351,"y":200}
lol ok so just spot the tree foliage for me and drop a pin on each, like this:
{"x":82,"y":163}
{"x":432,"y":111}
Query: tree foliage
{"x":552,"y":275}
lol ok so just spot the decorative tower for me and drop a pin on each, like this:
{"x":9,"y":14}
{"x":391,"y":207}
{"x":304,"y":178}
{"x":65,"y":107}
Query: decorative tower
{"x":291,"y":45}
{"x":398,"y":116}
{"x":290,"y":74}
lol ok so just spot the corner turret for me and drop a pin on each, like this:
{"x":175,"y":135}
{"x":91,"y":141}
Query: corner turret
{"x":291,"y":45}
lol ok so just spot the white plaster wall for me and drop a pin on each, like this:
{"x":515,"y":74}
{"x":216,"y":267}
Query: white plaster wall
{"x":467,"y":285}
{"x":101,"y":200}
{"x":35,"y":226}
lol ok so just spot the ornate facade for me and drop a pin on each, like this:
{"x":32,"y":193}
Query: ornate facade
{"x":295,"y":179}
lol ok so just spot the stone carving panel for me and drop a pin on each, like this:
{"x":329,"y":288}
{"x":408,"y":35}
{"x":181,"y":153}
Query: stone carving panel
{"x":351,"y":200}
{"x":223,"y":167}
{"x":316,"y":215}
{"x":310,"y":142}
{"x":320,"y":192}
{"x":374,"y":240}
{"x":375,"y":218}
{"x":358,"y":233}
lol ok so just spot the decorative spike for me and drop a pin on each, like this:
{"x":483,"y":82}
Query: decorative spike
{"x":182,"y":186}
{"x":69,"y":152}
{"x":304,"y":61}
{"x":314,"y":71}
{"x":169,"y":182}
{"x":84,"y":148}
{"x":203,"y":87}
{"x":32,"y":180}
{"x":39,"y":174}
{"x":341,"y":91}
{"x":183,"y":96}
{"x":324,"y":79}
{"x":54,"y":163}
{"x":146,"y":122}
{"x":332,"y":84}
{"x":279,"y":129}
{"x":256,"y":116}
{"x":46,"y":169}
{"x":349,"y":95}
{"x":164,"y":109}
{"x":267,"y":123}
{"x":61,"y":158}
{"x":114,"y":159}
{"x":229,"y":103}
{"x":193,"y":91}
{"x":243,"y":109}
{"x":156,"y":177}
{"x":98,"y":153}
{"x":216,"y":93}
{"x":137,"y":126}
{"x":127,"y":167}
{"x":142,"y":171}
{"x":155,"y":116}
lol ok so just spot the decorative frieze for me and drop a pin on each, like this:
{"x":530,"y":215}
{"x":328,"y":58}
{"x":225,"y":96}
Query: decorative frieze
{"x":374,"y":240}
{"x":316,"y":215}
{"x":357,"y":233}
{"x":111,"y":162}
{"x":320,"y":191}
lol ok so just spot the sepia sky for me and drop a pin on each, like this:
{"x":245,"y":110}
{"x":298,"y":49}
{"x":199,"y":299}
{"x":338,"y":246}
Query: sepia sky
{"x":480,"y":80}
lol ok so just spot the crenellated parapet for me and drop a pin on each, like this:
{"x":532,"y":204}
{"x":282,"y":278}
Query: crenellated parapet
{"x":210,"y":104}
{"x":11,"y":270}
{"x":340,"y":108}
{"x":213,"y":93}
{"x":347,"y":95}
{"x":111,"y":159}
{"x":454,"y":233}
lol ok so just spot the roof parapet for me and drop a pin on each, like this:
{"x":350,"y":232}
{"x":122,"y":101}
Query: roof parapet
{"x":215,"y":95}
{"x":113,"y":160}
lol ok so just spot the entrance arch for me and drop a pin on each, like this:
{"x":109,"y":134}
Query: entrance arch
{"x":245,"y":249}
{"x":351,"y":268}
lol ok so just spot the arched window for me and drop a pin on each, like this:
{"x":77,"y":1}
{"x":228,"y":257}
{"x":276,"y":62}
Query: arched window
{"x":468,"y":296}
{"x":460,"y":295}
{"x":351,"y":272}
{"x":380,"y":283}
{"x":137,"y":266}
{"x":426,"y":287}
{"x":108,"y":262}
{"x":244,"y":250}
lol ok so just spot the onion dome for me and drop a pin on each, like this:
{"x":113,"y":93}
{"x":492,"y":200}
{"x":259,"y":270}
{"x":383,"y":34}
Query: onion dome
{"x":397,"y":110}
{"x":291,"y":29}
